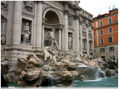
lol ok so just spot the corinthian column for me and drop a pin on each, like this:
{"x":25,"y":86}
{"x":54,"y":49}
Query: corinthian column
{"x":65,"y":31}
{"x":87,"y":40}
{"x":81,"y":43}
{"x":76,"y":33}
{"x":17,"y":23}
{"x":39,"y":24}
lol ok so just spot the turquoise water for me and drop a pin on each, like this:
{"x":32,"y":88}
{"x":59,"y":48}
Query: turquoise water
{"x":13,"y":84}
{"x":105,"y":82}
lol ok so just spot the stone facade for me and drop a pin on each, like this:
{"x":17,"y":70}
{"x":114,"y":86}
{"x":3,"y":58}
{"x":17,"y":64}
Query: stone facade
{"x":107,"y":53}
{"x":25,"y":25}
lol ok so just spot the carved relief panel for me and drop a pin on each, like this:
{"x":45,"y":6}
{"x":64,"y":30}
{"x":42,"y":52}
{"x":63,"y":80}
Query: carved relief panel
{"x":4,"y":5}
{"x":28,"y":6}
{"x":26,"y":31}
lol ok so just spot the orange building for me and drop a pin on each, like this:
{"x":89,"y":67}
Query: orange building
{"x":106,"y":34}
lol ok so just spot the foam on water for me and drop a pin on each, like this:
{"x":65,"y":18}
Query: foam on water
{"x":99,"y":79}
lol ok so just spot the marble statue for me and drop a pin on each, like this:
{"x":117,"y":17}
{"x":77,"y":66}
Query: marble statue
{"x":4,"y":4}
{"x":52,"y":40}
{"x":26,"y":33}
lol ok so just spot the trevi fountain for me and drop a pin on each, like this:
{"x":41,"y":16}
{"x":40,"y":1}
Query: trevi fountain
{"x":53,"y":67}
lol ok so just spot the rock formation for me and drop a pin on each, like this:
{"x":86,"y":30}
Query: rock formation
{"x":52,"y":69}
{"x":58,"y":68}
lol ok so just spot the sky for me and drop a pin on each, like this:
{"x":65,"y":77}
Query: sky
{"x":96,"y":7}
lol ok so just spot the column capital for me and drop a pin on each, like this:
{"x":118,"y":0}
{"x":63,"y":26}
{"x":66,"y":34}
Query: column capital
{"x":61,"y":26}
{"x":65,"y":11}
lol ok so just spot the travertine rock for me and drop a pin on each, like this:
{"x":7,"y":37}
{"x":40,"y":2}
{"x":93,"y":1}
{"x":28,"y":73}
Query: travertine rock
{"x":57,"y":67}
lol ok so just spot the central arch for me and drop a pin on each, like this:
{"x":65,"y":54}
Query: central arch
{"x":52,"y":22}
{"x":52,"y":11}
{"x":51,"y":18}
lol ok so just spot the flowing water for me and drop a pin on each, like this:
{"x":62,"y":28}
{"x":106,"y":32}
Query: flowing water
{"x":90,"y":73}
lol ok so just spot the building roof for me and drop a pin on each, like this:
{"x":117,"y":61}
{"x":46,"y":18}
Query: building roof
{"x":111,"y":12}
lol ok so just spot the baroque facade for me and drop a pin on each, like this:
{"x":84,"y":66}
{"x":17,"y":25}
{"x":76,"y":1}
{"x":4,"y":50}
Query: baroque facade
{"x":25,"y":25}
{"x":106,"y":34}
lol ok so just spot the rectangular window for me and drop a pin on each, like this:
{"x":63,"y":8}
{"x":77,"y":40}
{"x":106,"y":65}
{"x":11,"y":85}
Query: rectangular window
{"x":102,"y":50}
{"x":110,"y":29}
{"x":90,"y":44}
{"x":110,"y":39}
{"x":70,"y":20}
{"x":110,"y":21}
{"x":101,"y":24}
{"x":101,"y":32}
{"x":102,"y":40}
{"x":70,"y":40}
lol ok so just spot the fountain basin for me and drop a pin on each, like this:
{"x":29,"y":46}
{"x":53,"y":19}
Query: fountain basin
{"x":103,"y":82}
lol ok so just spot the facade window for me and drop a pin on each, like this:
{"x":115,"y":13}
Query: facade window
{"x":90,"y":45}
{"x":102,"y":41}
{"x":84,"y":26}
{"x":70,"y":20}
{"x":110,"y":29}
{"x":102,"y":50}
{"x":111,"y":49}
{"x":101,"y":32}
{"x":70,"y":40}
{"x":110,"y":39}
{"x":84,"y":44}
{"x":110,"y":21}
{"x":101,"y":24}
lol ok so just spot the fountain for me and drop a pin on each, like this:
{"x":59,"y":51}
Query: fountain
{"x":54,"y":67}
{"x":57,"y":70}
